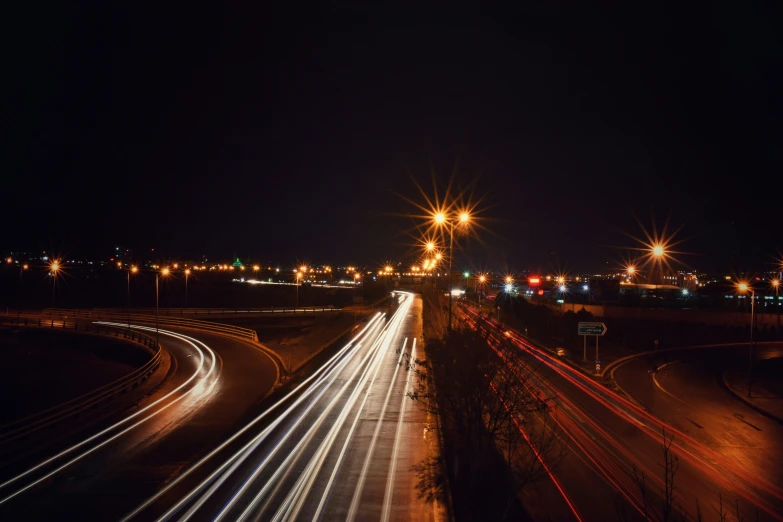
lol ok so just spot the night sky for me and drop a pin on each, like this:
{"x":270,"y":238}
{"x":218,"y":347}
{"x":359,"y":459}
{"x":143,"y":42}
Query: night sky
{"x":293,"y":136}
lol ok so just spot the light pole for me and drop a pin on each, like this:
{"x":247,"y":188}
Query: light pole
{"x":745,"y":287}
{"x":776,"y":285}
{"x":164,"y":273}
{"x":481,"y":279}
{"x":298,"y":277}
{"x":131,"y":270}
{"x":187,"y":274}
{"x":55,"y":267}
{"x":440,"y":219}
{"x":467,"y":275}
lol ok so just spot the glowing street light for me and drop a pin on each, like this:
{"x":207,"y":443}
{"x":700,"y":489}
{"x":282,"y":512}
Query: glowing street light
{"x":55,"y":268}
{"x":776,"y":285}
{"x":430,"y":246}
{"x":187,"y":273}
{"x":163,"y":273}
{"x":131,"y":270}
{"x":631,"y":270}
{"x":561,"y":280}
{"x":256,"y":268}
{"x":509,"y":280}
{"x":658,"y":251}
{"x":743,"y":286}
{"x":438,"y":256}
{"x":440,"y":219}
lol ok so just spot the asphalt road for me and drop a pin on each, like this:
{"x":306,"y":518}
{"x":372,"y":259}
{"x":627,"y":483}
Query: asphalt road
{"x":687,"y":393}
{"x":215,"y":383}
{"x":609,"y":437}
{"x":342,"y":445}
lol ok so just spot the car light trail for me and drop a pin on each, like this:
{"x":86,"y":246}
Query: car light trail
{"x":328,"y":405}
{"x":327,"y":370}
{"x":695,"y":453}
{"x":189,"y":340}
{"x":387,"y":497}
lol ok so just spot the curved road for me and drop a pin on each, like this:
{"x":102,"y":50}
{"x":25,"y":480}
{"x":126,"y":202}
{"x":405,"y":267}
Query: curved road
{"x":687,"y":393}
{"x":214,"y":384}
{"x":611,"y":439}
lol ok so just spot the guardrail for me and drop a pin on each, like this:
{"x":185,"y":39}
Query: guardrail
{"x":28,"y":425}
{"x":223,"y":311}
{"x":123,"y":317}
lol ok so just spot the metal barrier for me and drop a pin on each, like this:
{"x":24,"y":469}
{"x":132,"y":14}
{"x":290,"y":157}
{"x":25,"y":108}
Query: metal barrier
{"x":222,"y":311}
{"x":122,"y":317}
{"x":23,"y":427}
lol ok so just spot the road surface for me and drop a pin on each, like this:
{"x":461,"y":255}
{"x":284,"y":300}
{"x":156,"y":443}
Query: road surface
{"x":100,"y":475}
{"x":687,"y":393}
{"x":609,"y":437}
{"x":341,"y":446}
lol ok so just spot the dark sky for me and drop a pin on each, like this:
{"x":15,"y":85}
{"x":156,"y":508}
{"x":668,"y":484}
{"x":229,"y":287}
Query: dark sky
{"x":291,"y":136}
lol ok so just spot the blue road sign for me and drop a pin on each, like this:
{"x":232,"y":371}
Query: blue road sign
{"x":592,"y":329}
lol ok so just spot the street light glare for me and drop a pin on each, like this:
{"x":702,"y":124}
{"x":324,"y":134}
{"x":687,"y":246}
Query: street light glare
{"x":657,"y":250}
{"x":187,"y":271}
{"x":743,"y":287}
{"x":55,"y":266}
{"x":632,"y":269}
{"x":438,"y":256}
{"x":775,"y":283}
{"x":561,"y":280}
{"x":430,"y":246}
{"x":165,"y":271}
{"x":464,"y":217}
{"x":440,"y":218}
{"x":134,"y":269}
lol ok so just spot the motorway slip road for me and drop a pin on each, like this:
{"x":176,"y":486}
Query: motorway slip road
{"x":102,"y":474}
{"x":609,"y":436}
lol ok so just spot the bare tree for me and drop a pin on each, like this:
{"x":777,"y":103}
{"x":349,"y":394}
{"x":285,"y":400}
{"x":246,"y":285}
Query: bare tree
{"x":487,"y":399}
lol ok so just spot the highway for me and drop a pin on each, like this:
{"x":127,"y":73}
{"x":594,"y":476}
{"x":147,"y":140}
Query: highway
{"x":103,"y":472}
{"x":687,"y":393}
{"x":609,"y":436}
{"x":341,"y":445}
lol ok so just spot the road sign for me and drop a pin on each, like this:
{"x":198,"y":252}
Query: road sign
{"x":592,"y":329}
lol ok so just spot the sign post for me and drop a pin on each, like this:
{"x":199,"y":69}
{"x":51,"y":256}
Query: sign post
{"x":597,"y":329}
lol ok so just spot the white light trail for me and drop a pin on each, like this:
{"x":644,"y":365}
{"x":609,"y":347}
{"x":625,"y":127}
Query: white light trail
{"x":193,"y":342}
{"x":326,"y":369}
{"x":387,"y":497}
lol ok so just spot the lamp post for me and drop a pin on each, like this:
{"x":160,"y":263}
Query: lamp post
{"x":481,"y":279}
{"x":298,"y":277}
{"x":745,"y":287}
{"x":187,"y":274}
{"x":164,"y":273}
{"x":440,"y":219}
{"x":776,"y":285}
{"x":55,"y":267}
{"x":131,"y":270}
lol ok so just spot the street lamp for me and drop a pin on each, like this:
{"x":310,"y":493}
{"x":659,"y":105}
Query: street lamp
{"x":481,"y":280}
{"x":776,"y":286}
{"x":187,"y":273}
{"x":55,"y":268}
{"x":298,"y":278}
{"x":745,"y":287}
{"x":131,"y":270}
{"x":163,"y":273}
{"x":440,"y":219}
{"x":467,"y":275}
